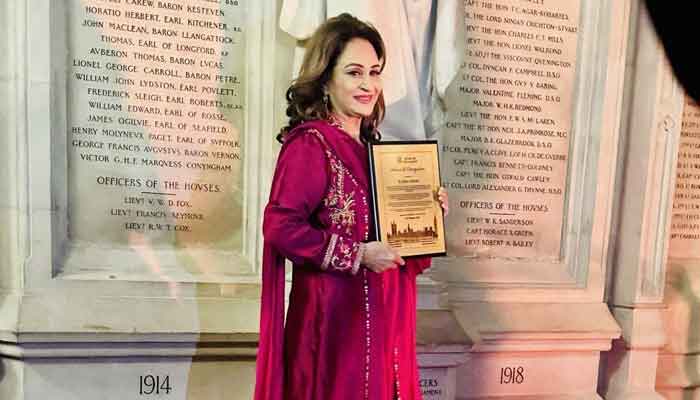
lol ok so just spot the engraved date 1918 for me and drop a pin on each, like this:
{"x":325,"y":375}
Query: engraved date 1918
{"x":512,"y":375}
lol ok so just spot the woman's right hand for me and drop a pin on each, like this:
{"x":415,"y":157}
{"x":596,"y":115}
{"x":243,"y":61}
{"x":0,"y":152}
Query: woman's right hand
{"x":379,"y":257}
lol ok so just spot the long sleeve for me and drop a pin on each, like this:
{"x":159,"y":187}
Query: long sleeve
{"x":300,"y":184}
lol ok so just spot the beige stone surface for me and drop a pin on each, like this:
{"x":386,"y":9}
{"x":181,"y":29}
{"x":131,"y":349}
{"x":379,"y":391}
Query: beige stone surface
{"x":11,"y":378}
{"x":545,"y":320}
{"x":10,"y":121}
{"x":630,"y":372}
{"x":439,"y":328}
{"x":678,"y":369}
{"x":537,"y":350}
{"x":540,"y":375}
{"x":686,"y":394}
{"x":127,"y":378}
{"x":682,"y":301}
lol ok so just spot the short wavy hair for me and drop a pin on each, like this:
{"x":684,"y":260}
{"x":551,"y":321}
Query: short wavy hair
{"x":323,"y":48}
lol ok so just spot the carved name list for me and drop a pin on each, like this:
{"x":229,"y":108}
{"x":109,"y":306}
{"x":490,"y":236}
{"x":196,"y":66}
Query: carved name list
{"x":156,"y":98}
{"x":506,"y":140}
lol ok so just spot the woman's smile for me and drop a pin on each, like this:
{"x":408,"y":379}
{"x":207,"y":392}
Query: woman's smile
{"x":364,"y":98}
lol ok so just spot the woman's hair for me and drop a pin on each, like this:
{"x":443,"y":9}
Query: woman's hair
{"x":323,"y":48}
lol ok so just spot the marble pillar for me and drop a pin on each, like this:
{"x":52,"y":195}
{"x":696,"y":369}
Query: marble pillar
{"x":650,"y":128}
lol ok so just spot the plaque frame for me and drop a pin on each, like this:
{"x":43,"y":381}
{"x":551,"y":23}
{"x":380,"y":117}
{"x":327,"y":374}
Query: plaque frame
{"x":378,"y":209}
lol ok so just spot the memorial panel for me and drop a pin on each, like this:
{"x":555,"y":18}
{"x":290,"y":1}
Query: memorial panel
{"x":505,"y":144}
{"x":684,"y":241}
{"x":155,"y":113}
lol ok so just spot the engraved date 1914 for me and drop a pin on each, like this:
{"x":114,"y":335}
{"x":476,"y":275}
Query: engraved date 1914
{"x":154,"y":384}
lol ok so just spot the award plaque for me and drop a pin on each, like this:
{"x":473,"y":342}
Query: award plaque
{"x":405,"y":179}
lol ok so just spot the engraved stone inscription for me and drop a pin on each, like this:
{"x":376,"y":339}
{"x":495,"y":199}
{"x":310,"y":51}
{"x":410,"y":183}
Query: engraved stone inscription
{"x":155,"y":120}
{"x":433,"y":383}
{"x":506,"y":139}
{"x":154,"y":385}
{"x":512,"y":375}
{"x":685,"y":222}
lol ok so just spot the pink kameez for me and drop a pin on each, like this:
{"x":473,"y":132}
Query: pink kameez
{"x":350,"y":332}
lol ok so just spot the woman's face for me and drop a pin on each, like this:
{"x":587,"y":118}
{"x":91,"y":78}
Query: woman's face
{"x":356,"y":82}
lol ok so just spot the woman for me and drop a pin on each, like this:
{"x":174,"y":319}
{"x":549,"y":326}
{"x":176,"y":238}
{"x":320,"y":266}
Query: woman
{"x":350,"y":329}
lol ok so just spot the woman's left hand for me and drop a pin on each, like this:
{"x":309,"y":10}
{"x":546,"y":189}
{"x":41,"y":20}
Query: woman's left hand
{"x":442,"y":198}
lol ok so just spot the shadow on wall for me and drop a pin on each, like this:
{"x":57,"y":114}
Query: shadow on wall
{"x":609,"y":364}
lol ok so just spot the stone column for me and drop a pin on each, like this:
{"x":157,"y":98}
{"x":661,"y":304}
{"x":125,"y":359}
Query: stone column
{"x":650,"y":126}
{"x":13,"y":197}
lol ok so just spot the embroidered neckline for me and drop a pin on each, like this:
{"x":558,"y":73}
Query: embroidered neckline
{"x":335,"y":122}
{"x":329,"y":151}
